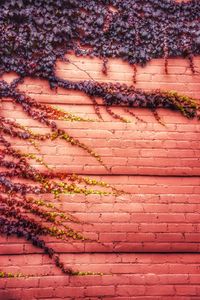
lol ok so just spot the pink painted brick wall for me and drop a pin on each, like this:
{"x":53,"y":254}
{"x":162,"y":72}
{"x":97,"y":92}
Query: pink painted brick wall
{"x":149,"y":240}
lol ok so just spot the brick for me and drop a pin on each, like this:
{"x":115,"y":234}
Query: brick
{"x":174,"y":279}
{"x":53,"y":281}
{"x":112,"y":237}
{"x":34,"y":293}
{"x":180,"y":268}
{"x":11,"y":249}
{"x":100,"y":291}
{"x":22,"y":283}
{"x":90,"y":280}
{"x":64,"y":292}
{"x":3,"y":282}
{"x":159,"y":290}
{"x":187,"y":290}
{"x":130,"y":290}
{"x":170,"y":237}
{"x":194,"y":279}
{"x":141,"y":237}
{"x":153,"y":227}
{"x":13,"y":294}
{"x":110,"y":217}
{"x":152,"y":279}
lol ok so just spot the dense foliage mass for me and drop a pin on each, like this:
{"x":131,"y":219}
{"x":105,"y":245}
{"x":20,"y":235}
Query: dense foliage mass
{"x":34,"y":34}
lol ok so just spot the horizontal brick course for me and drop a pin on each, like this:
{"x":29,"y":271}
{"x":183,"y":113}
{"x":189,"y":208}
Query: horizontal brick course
{"x":145,"y":275}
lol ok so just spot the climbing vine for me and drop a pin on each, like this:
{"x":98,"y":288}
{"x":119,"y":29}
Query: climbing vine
{"x":34,"y":35}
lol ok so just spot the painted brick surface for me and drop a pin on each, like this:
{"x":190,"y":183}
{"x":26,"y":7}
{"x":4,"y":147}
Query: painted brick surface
{"x":148,"y":242}
{"x":136,"y":276}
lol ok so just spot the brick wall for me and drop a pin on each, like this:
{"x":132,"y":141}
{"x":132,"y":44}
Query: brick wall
{"x":149,"y":240}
